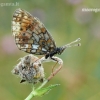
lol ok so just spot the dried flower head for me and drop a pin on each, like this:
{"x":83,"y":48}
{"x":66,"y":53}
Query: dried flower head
{"x":29,"y":69}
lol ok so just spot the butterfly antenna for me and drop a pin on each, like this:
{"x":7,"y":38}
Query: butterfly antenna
{"x":72,"y":44}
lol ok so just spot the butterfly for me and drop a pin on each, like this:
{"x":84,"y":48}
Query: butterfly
{"x":32,"y":37}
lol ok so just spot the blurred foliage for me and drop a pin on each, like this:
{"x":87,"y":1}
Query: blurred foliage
{"x":80,"y":75}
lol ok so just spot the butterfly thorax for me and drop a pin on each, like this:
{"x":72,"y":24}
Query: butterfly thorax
{"x":57,"y":50}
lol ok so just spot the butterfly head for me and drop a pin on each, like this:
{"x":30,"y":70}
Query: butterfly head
{"x":59,"y":50}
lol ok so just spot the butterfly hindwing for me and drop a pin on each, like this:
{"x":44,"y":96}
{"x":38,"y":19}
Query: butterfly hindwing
{"x":30,"y":34}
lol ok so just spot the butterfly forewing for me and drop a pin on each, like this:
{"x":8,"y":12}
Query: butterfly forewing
{"x":30,"y":34}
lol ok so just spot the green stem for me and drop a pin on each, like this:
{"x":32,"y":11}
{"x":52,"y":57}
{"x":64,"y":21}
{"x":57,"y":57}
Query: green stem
{"x":34,"y":93}
{"x":42,"y":84}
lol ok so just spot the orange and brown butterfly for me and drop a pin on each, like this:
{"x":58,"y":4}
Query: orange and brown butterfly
{"x":32,"y":37}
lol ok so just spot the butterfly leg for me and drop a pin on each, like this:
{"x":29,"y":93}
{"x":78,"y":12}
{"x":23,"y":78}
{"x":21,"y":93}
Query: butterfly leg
{"x":54,"y":66}
{"x":55,"y":59}
{"x":54,"y":72}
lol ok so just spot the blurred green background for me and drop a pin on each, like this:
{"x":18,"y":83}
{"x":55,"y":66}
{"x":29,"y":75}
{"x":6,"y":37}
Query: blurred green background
{"x":80,"y":75}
